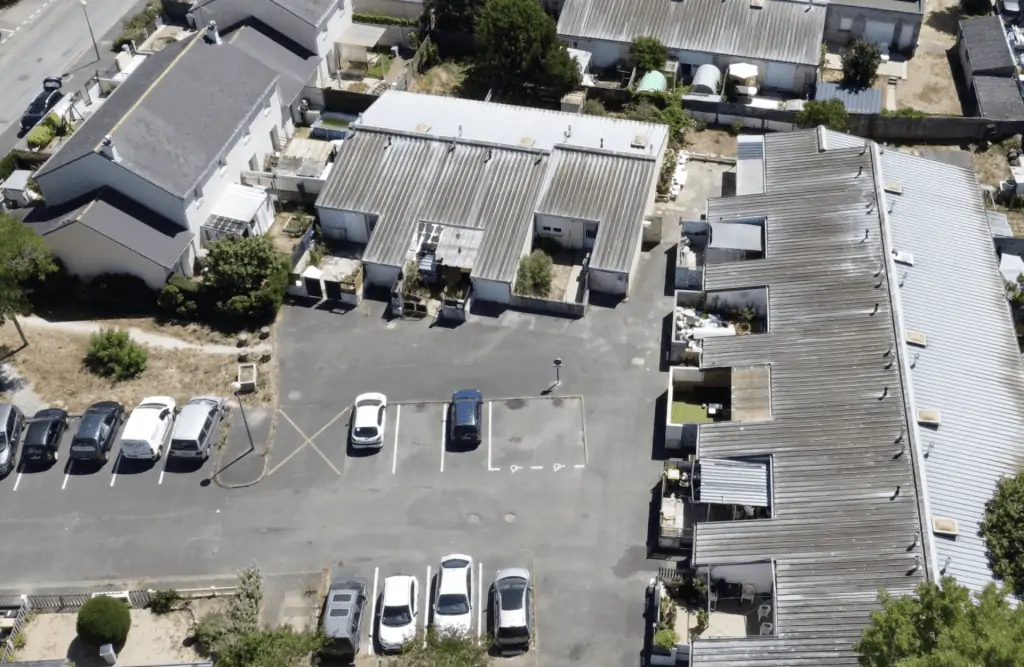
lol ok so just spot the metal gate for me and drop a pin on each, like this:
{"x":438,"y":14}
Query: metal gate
{"x":333,"y":290}
{"x":314,"y":288}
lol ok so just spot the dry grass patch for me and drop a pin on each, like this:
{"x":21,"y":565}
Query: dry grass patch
{"x":930,"y":86}
{"x":52,"y":366}
{"x":188,"y":332}
{"x":444,"y":79}
{"x":717,"y":142}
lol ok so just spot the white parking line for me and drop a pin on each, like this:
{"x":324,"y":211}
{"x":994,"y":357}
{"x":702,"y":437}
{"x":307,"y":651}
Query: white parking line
{"x":536,"y":467}
{"x":373,"y":607}
{"x":480,"y":602}
{"x":490,"y":412}
{"x":66,"y":475}
{"x":579,"y":465}
{"x":426,"y":606}
{"x":394,"y":456}
{"x":117,"y":462}
{"x":17,"y":482}
{"x":444,"y":431}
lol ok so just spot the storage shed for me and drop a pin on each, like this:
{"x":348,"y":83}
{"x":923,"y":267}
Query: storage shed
{"x":983,"y":50}
{"x":707,"y":80}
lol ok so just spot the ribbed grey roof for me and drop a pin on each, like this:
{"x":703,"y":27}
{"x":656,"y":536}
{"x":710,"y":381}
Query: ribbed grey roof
{"x":610,"y":189}
{"x":840,"y":531}
{"x":863,"y":101}
{"x":404,"y":180}
{"x":729,"y":482}
{"x":970,"y":369}
{"x":782,"y":30}
{"x":749,"y":164}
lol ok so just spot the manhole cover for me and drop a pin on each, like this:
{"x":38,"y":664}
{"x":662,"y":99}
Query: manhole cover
{"x":510,"y":518}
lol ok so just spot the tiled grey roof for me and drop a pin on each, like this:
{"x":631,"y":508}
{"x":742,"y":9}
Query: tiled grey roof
{"x":970,"y":368}
{"x":782,"y":30}
{"x":610,"y":189}
{"x":174,"y":116}
{"x":998,"y":98}
{"x":987,"y":47}
{"x":845,"y":508}
{"x":295,"y":64}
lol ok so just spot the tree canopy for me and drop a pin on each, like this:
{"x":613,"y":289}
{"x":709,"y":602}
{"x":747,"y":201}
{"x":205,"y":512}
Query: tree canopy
{"x":1003,"y":530}
{"x":452,"y":15}
{"x":944,"y":627}
{"x":830,"y":113}
{"x":860,"y":65}
{"x":24,"y":257}
{"x":246,"y":278}
{"x":519,"y":50}
{"x":647,"y":54}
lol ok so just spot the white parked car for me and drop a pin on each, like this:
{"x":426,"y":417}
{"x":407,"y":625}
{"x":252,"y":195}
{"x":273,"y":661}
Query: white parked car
{"x":148,"y":429}
{"x":453,"y":604}
{"x":369,"y":415}
{"x":398,"y":612}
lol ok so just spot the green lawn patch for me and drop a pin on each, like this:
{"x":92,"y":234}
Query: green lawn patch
{"x":686,"y":412}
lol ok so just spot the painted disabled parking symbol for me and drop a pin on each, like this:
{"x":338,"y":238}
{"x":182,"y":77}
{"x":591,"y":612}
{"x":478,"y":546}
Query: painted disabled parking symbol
{"x":557,"y":467}
{"x":516,"y":469}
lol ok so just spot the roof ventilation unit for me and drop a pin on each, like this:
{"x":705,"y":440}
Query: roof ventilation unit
{"x":757,"y":4}
{"x":639,"y":141}
{"x":916,"y":338}
{"x":894,"y":187}
{"x":942,"y":525}
{"x":929,"y":417}
{"x":903,"y":257}
{"x":423,"y":128}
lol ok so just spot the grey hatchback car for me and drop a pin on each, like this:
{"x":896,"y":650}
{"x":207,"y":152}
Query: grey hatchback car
{"x":197,"y":426}
{"x":342,"y":618}
{"x":12,"y":422}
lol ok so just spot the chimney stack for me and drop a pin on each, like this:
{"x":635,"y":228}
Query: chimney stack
{"x":212,"y":34}
{"x":108,"y":150}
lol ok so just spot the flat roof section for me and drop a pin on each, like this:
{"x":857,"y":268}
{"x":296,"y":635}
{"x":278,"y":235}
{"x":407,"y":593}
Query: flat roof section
{"x":839,"y":529}
{"x":751,"y":393}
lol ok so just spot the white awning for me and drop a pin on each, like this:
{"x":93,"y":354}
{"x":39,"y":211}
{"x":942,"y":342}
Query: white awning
{"x":742,"y":71}
{"x":239,"y":202}
{"x":360,"y":34}
{"x":729,"y":482}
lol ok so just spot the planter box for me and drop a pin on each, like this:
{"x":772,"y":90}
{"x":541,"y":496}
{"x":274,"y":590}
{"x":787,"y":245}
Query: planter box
{"x":247,"y":377}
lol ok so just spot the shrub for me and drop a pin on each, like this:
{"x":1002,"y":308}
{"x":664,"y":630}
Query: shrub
{"x":647,"y":54}
{"x":860,"y":64}
{"x":103,"y":620}
{"x":245,"y":279}
{"x":534,"y":276}
{"x":135,"y":28}
{"x":594,"y":108}
{"x":180,"y":298}
{"x":381,"y":19}
{"x":40,"y":136}
{"x":114,"y":354}
{"x":666,"y":638}
{"x":830,"y":113}
{"x":162,"y":602}
{"x":1003,"y":531}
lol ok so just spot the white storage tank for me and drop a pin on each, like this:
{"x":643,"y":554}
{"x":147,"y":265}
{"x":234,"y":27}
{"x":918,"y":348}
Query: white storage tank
{"x":706,"y":80}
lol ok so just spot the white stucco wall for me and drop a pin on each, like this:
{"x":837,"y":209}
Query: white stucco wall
{"x":236,"y":161}
{"x":328,"y":35}
{"x":381,"y":275}
{"x":491,"y":291}
{"x":86,"y":254}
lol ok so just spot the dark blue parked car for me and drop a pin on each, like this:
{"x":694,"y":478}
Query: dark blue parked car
{"x":465,"y":417}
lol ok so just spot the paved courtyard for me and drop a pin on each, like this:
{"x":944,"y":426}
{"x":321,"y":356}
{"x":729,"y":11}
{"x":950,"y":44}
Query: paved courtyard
{"x":559,"y":484}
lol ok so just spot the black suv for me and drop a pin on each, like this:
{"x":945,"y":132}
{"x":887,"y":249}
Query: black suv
{"x":466,"y":417}
{"x":43,"y":435}
{"x":97,"y":431}
{"x":42,"y":103}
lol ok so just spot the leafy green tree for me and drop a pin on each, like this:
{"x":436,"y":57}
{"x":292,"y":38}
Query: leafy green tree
{"x":443,"y":650}
{"x":647,"y":54}
{"x":24,"y":259}
{"x":830,"y":113}
{"x":278,"y":647}
{"x":942,"y":626}
{"x":103,"y":620}
{"x":451,"y":15}
{"x":518,"y":49}
{"x":860,"y":65}
{"x":115,"y":355}
{"x":1003,"y":530}
{"x":246,"y":278}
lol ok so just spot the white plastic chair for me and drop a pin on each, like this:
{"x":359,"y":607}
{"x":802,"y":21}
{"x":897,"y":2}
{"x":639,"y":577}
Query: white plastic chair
{"x":763,"y":612}
{"x":748,"y":593}
{"x":766,"y":629}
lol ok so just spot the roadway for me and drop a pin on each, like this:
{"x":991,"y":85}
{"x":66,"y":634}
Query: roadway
{"x":40,"y":38}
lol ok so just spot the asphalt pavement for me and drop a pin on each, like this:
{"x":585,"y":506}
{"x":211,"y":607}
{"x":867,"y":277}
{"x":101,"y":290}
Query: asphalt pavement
{"x":41,"y":38}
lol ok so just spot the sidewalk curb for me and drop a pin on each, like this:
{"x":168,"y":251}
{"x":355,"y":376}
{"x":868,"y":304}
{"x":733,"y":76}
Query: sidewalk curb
{"x":275,"y":411}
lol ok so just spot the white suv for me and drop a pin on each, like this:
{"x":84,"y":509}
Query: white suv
{"x":148,"y":429}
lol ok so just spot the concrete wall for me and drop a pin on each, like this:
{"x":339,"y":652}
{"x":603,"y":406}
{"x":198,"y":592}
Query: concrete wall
{"x":380,"y":275}
{"x":609,"y":282}
{"x":758,"y":574}
{"x":255,"y":139}
{"x":343,"y":225}
{"x":845,"y":24}
{"x":492,"y":291}
{"x":86,"y":254}
{"x":328,"y":37}
{"x":536,"y":304}
{"x":569,"y":232}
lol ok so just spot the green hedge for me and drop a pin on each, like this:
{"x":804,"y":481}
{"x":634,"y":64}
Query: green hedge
{"x":40,"y":136}
{"x":381,"y":19}
{"x":134,"y":29}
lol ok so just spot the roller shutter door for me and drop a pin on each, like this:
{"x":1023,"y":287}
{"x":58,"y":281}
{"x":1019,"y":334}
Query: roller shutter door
{"x":780,"y":76}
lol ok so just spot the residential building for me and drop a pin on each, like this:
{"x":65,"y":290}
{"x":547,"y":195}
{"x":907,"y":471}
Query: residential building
{"x":497,"y":177}
{"x":781,"y":37}
{"x":894,"y":24}
{"x":174,"y":138}
{"x":842,"y":420}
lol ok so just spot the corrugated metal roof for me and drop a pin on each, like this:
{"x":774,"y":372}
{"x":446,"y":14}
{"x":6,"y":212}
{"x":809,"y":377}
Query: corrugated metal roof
{"x":970,"y":369}
{"x":999,"y":224}
{"x":781,"y":30}
{"x":609,"y":189}
{"x":749,"y":164}
{"x":729,"y":482}
{"x":840,"y":530}
{"x":863,"y":101}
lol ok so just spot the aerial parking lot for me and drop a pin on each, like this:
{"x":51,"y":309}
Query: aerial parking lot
{"x":558,"y":483}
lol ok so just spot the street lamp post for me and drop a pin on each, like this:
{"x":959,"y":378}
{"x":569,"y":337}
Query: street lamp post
{"x":85,"y":10}
{"x":558,"y":372}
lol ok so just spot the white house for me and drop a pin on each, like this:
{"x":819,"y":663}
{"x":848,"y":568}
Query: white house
{"x":174,"y":139}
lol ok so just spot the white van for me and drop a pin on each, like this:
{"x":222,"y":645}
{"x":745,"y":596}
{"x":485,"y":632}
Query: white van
{"x":148,"y":429}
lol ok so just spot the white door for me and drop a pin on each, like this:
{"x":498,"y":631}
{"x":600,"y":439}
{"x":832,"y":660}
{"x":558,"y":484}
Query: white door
{"x":879,"y":32}
{"x":780,"y":76}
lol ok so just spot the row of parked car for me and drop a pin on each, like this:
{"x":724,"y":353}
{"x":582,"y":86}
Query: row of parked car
{"x":369,"y":419}
{"x":155,"y":427}
{"x":452,"y":608}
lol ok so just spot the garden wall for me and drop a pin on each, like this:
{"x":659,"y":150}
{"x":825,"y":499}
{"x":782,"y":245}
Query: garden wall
{"x":538,"y":304}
